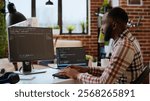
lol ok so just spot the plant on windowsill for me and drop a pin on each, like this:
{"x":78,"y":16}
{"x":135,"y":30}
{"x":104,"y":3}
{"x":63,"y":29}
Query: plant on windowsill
{"x":83,"y":25}
{"x":70,"y":28}
{"x":3,"y":33}
{"x":56,"y":30}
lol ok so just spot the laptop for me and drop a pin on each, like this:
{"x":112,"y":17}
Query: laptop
{"x":70,"y":56}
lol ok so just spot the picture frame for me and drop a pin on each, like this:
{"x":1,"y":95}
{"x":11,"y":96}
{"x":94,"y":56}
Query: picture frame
{"x":134,"y":2}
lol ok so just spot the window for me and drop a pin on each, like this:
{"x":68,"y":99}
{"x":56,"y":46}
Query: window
{"x":62,"y":13}
{"x":74,"y":12}
{"x":47,"y":15}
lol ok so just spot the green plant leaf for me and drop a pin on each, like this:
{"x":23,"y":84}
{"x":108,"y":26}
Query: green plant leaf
{"x":3,"y":34}
{"x":70,"y":27}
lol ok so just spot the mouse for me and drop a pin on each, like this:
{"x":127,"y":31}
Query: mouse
{"x":60,"y":76}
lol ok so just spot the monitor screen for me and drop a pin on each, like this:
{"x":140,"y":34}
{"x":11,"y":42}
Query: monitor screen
{"x":28,"y":44}
{"x":70,"y":56}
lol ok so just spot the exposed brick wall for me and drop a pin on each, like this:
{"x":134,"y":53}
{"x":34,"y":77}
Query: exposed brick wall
{"x":142,"y":33}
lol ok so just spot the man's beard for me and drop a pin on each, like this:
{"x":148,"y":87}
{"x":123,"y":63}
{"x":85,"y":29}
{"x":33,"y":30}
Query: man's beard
{"x":108,"y":33}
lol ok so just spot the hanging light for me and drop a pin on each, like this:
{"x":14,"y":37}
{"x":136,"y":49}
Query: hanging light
{"x":49,"y":2}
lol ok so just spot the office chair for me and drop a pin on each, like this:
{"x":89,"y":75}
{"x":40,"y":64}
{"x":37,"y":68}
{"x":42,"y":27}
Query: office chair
{"x":143,"y":75}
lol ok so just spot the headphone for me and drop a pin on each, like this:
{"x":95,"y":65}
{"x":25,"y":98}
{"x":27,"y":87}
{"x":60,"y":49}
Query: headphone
{"x":2,"y":71}
{"x":9,"y":77}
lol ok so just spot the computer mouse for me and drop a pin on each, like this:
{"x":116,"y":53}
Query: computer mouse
{"x":60,"y":76}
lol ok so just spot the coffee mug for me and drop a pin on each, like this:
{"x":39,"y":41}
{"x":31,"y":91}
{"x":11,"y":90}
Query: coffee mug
{"x":104,"y":63}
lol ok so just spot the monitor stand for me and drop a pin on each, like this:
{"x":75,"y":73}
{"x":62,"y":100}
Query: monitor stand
{"x":27,"y":69}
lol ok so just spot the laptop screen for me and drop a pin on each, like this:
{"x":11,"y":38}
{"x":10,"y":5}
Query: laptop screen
{"x":70,"y":56}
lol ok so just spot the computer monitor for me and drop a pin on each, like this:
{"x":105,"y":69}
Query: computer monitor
{"x":70,"y":56}
{"x":27,"y":44}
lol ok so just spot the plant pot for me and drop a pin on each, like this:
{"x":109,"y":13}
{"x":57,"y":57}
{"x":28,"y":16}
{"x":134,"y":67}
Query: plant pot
{"x":69,"y":32}
{"x":56,"y":31}
{"x":94,"y":64}
{"x":83,"y":32}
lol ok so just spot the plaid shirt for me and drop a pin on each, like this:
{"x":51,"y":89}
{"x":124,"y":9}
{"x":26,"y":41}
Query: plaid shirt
{"x":126,"y":63}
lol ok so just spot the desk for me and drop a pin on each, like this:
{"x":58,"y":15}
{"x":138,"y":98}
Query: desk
{"x":42,"y":78}
{"x":4,"y":63}
{"x":45,"y":78}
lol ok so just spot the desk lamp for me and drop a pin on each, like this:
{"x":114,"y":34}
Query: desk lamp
{"x":14,"y":16}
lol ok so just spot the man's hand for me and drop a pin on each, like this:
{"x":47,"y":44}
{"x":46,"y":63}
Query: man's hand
{"x":70,"y":72}
{"x":79,"y":68}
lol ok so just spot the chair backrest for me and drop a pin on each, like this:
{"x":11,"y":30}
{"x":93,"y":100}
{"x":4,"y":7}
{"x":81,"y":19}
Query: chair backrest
{"x":68,"y":43}
{"x":143,"y":75}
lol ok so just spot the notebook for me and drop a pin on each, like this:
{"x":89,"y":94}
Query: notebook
{"x":70,"y":56}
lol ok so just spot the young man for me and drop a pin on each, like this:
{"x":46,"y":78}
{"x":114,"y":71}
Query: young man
{"x":126,"y":62}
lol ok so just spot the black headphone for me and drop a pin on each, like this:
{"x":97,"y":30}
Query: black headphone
{"x":2,"y":71}
{"x":9,"y":77}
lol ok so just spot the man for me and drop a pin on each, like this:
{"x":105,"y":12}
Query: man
{"x":126,"y":62}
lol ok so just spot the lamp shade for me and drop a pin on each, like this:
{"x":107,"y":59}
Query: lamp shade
{"x":49,"y":2}
{"x":14,"y":16}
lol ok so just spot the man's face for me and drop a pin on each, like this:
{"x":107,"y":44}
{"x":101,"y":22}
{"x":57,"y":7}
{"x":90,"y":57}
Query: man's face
{"x":106,"y":27}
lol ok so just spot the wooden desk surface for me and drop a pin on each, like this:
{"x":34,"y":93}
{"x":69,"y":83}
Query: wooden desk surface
{"x":8,"y":66}
{"x":42,"y":78}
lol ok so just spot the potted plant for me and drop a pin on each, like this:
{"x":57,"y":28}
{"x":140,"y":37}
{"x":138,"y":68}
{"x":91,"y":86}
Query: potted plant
{"x":92,"y":61}
{"x":106,"y":6}
{"x":56,"y":30}
{"x":3,"y":34}
{"x":83,"y":25}
{"x":70,"y":28}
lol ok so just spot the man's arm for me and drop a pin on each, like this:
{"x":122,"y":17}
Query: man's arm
{"x":121,"y":59}
{"x":96,"y":71}
{"x":73,"y":71}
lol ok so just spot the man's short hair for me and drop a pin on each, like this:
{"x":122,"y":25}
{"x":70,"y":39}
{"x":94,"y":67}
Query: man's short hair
{"x":118,"y":14}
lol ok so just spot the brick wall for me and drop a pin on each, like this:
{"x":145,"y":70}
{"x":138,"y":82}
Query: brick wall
{"x":142,"y":33}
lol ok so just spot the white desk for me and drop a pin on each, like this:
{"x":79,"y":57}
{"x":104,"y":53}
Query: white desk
{"x":44,"y":78}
